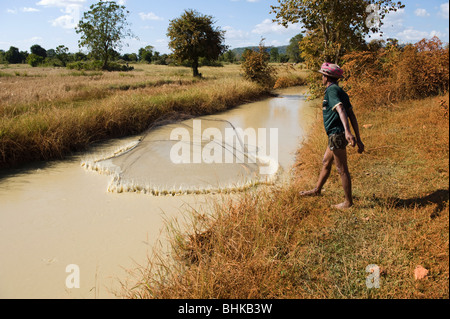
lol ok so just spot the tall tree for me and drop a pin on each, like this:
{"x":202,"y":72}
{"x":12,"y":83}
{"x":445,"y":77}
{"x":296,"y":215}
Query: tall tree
{"x":229,"y":56}
{"x":103,"y":30}
{"x":335,"y":26}
{"x":62,"y":54}
{"x":193,"y":36}
{"x":274,"y":55}
{"x":293,"y":49}
{"x":146,"y":54}
{"x":13,"y":56}
{"x":38,"y":50}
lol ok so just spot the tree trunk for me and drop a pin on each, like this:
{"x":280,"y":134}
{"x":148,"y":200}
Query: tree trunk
{"x":105,"y":64}
{"x":105,"y":58}
{"x":195,"y":68}
{"x":326,"y":38}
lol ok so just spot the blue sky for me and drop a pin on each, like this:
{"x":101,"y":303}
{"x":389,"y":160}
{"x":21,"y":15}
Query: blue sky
{"x":50,"y":23}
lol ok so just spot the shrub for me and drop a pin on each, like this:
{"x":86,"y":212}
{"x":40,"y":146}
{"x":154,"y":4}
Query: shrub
{"x":209,"y":62}
{"x":86,"y":66}
{"x":395,"y":74}
{"x":256,"y":67}
{"x":34,"y":60}
{"x":5,"y":75}
{"x":113,"y":66}
{"x":98,"y":66}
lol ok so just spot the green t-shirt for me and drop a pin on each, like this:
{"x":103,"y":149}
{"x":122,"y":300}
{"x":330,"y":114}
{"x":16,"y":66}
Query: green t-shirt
{"x":334,"y":95}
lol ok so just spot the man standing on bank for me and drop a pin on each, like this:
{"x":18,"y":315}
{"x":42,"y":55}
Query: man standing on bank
{"x":337,"y":111}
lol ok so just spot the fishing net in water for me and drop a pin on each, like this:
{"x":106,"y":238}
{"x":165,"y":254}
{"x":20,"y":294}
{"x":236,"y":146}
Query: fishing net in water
{"x":201,"y":155}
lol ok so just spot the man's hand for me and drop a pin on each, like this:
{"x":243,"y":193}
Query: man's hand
{"x":350,"y":138}
{"x":361,"y":147}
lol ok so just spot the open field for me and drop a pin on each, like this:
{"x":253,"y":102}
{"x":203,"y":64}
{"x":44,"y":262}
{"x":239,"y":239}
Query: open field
{"x":272,"y":243}
{"x":47,"y":113}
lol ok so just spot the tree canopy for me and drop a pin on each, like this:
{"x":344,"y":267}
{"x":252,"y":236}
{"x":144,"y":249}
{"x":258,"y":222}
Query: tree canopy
{"x":14,"y":56}
{"x":193,"y":36}
{"x":146,"y":54}
{"x":293,"y":49}
{"x":38,"y":50}
{"x":334,"y":26}
{"x":103,"y":30}
{"x":256,"y":67}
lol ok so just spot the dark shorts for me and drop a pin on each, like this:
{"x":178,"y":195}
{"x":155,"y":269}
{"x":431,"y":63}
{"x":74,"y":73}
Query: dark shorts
{"x":337,"y":142}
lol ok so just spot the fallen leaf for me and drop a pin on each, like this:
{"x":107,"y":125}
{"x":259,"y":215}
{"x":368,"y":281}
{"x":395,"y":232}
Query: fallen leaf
{"x":368,"y":125}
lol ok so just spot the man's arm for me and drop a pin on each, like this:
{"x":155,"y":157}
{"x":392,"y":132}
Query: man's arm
{"x":344,"y":119}
{"x":354,"y":123}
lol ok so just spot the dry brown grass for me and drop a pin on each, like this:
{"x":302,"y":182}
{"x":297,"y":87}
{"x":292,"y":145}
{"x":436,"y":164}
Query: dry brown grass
{"x":23,"y":85}
{"x":289,"y":75}
{"x":47,"y":113}
{"x":271,"y":243}
{"x":401,"y":186}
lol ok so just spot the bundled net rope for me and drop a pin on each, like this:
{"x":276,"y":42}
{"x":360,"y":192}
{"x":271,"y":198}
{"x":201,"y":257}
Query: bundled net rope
{"x":195,"y":156}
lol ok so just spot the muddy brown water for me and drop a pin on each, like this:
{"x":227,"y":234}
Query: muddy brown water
{"x":58,"y":214}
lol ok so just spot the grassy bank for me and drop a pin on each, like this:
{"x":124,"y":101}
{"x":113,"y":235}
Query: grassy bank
{"x":271,"y":243}
{"x":47,"y":113}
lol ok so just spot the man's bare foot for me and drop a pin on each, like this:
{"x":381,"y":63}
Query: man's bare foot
{"x":313,"y":192}
{"x":343,"y":206}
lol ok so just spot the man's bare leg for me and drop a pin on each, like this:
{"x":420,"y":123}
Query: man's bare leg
{"x":328,"y":160}
{"x":340,"y":157}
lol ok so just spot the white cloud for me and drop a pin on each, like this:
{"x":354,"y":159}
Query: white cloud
{"x":34,"y":39}
{"x":66,"y":22}
{"x":70,"y":8}
{"x":30,"y":10}
{"x":392,"y":24}
{"x":60,"y":3}
{"x":31,"y":41}
{"x":269,"y":27}
{"x":438,"y":34}
{"x":237,"y":38}
{"x":444,"y":10}
{"x":25,"y":9}
{"x":421,"y":13}
{"x":149,"y":16}
{"x":233,"y":34}
{"x":412,"y":35}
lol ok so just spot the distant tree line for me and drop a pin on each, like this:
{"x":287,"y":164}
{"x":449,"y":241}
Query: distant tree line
{"x":61,"y":57}
{"x":39,"y":56}
{"x":284,"y":54}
